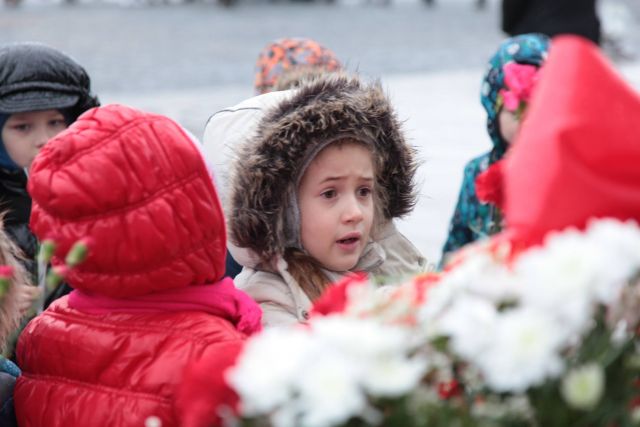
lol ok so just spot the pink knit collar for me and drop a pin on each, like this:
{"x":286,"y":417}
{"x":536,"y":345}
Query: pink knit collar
{"x":219,"y":299}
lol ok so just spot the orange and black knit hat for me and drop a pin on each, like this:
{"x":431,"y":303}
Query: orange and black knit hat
{"x":290,"y":54}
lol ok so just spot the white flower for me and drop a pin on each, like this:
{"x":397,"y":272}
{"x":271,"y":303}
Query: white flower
{"x":635,"y":415}
{"x":393,"y":376}
{"x":361,"y":338}
{"x":583,"y":387}
{"x":620,"y":251}
{"x":361,"y":299}
{"x":268,"y":367}
{"x":514,"y":407}
{"x":440,"y":297}
{"x":399,"y":302}
{"x":483,"y":273}
{"x":285,"y":416}
{"x":387,"y":303}
{"x":329,"y":390}
{"x":470,"y":325}
{"x":377,"y":351}
{"x":560,"y":278}
{"x":477,"y":261}
{"x":449,"y":289}
{"x":523,"y":350}
{"x":498,"y":285}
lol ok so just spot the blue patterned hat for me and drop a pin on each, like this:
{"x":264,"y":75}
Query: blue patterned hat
{"x":529,"y":49}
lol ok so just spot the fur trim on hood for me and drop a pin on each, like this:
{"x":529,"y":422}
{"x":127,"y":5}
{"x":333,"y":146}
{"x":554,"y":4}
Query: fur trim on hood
{"x":268,"y":166}
{"x":9,"y":311}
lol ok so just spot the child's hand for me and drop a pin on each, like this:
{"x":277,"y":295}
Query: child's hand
{"x":27,"y":296}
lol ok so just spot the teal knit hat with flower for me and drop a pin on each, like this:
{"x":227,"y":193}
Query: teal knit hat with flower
{"x":526,"y":49}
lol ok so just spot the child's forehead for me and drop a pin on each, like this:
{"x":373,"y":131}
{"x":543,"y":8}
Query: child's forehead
{"x":24,"y":115}
{"x":341,"y":149}
{"x":341,"y":160}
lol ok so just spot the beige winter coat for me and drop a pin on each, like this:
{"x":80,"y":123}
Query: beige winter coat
{"x":284,"y":302}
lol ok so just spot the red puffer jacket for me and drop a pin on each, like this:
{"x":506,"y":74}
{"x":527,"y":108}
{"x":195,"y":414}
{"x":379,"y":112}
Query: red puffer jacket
{"x":136,"y":187}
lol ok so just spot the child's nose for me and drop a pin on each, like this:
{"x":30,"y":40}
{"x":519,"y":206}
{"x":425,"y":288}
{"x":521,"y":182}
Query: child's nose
{"x":41,"y":141}
{"x":353,"y":210}
{"x":43,"y":136}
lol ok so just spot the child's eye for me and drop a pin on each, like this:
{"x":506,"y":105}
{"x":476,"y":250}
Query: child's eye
{"x":329,"y":194}
{"x":364,"y":192}
{"x":22,"y":127}
{"x":58,"y":123}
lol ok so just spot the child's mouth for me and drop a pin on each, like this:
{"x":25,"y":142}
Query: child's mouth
{"x":349,"y":244}
{"x":348,"y":241}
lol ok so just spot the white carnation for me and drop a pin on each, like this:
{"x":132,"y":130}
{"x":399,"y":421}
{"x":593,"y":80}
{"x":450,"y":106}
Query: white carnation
{"x":470,"y":325}
{"x":378,"y":352}
{"x":583,"y":387}
{"x":438,"y":301}
{"x":268,"y":367}
{"x":561,"y":278}
{"x":524,"y":350}
{"x":329,"y":389}
{"x":620,"y":255}
{"x":393,"y":376}
{"x":361,"y":339}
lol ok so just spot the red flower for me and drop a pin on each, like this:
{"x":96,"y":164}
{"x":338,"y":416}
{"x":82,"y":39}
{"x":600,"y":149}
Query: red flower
{"x":205,"y":390}
{"x":423,"y":284}
{"x":56,"y":275}
{"x":489,"y":185}
{"x":447,"y":390}
{"x":6,"y":271}
{"x":61,"y":270}
{"x":336,"y":297}
{"x":635,"y":402}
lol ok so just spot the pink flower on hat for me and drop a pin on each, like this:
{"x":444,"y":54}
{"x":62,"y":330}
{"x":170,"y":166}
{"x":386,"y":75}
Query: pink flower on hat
{"x":520,"y":80}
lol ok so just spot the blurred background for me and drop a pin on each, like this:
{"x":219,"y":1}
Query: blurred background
{"x":189,"y":58}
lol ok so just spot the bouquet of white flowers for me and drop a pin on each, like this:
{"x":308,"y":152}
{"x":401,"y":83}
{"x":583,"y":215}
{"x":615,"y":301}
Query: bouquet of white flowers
{"x":547,"y":338}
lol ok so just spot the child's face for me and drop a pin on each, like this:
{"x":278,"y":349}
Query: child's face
{"x":24,"y":134}
{"x":336,"y":205}
{"x":509,"y":125}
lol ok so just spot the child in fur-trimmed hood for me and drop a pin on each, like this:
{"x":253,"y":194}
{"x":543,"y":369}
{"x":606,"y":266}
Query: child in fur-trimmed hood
{"x":313,"y":192}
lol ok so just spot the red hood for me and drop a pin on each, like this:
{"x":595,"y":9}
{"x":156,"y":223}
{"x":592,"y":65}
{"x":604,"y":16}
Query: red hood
{"x":135,"y":184}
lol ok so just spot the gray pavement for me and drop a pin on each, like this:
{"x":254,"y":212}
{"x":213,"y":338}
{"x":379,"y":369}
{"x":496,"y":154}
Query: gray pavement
{"x":189,"y":61}
{"x":143,"y":49}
